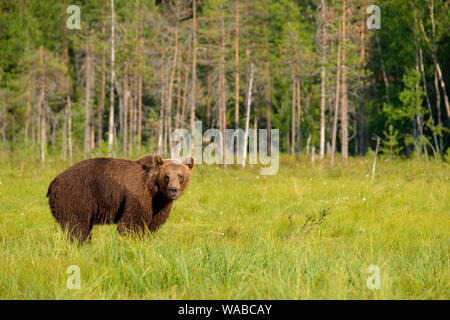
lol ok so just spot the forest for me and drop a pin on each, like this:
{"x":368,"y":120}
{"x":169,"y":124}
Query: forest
{"x":133,"y":71}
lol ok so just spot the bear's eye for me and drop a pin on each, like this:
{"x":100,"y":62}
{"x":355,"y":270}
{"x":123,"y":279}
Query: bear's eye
{"x":166,"y":178}
{"x":181,"y":178}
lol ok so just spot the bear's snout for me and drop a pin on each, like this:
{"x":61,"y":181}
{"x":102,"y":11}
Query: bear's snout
{"x":173,"y":192}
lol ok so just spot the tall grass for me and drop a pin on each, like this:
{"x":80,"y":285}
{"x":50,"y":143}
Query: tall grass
{"x":238,"y":235}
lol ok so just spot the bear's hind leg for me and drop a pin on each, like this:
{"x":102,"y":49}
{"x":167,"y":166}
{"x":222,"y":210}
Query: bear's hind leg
{"x":78,"y":232}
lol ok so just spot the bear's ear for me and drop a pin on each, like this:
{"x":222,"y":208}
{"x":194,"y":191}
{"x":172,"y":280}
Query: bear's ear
{"x":150,"y":163}
{"x":157,"y":160}
{"x":189,"y":162}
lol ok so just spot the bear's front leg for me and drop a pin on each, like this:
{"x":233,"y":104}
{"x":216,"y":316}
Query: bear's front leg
{"x":160,"y":216}
{"x":135,"y":219}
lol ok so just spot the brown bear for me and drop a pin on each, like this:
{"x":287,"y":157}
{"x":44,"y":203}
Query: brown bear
{"x":137,"y":195}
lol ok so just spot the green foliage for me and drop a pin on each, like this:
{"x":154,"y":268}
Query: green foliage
{"x":392,"y":112}
{"x":412,"y":96}
{"x":282,"y":39}
{"x":447,"y":156}
{"x":439,"y":129}
{"x":391,"y":144}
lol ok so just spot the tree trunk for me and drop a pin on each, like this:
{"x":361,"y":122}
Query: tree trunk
{"x":132,"y":93}
{"x":444,"y":90}
{"x":42,"y":112}
{"x":323,"y":80}
{"x":194,"y":71}
{"x":420,"y":127}
{"x":27,"y":113}
{"x":267,"y":97}
{"x":69,"y":125}
{"x":438,"y":106}
{"x":185,"y":97}
{"x":64,"y":134}
{"x":54,"y":126}
{"x":223,"y":123}
{"x":422,"y":70}
{"x":344,"y":110}
{"x":161,"y":111}
{"x":131,"y":108}
{"x":38,"y":119}
{"x":101,"y":106}
{"x":43,"y":134}
{"x":125,"y":108}
{"x":299,"y":112}
{"x":87,"y":105}
{"x":33,"y":129}
{"x":267,"y":85}
{"x":92,"y":140}
{"x":178,"y":111}
{"x":435,"y":58}
{"x":139,"y":99}
{"x":111,"y":105}
{"x":336,"y":107}
{"x":236,"y":54}
{"x":293,"y":118}
{"x":255,"y":129}
{"x":362,"y":119}
{"x":165,"y":124}
{"x":208,"y":100}
{"x":4,"y":125}
{"x":139,"y":78}
{"x":169,"y":97}
{"x":247,"y":114}
{"x":383,"y":69}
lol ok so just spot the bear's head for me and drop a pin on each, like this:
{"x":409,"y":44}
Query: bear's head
{"x":173,"y":176}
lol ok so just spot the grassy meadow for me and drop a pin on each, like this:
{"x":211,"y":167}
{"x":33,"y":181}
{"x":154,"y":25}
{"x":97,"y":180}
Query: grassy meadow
{"x":309,"y":232}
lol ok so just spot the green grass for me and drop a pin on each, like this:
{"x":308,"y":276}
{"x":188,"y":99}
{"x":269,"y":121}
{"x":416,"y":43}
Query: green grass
{"x":238,"y":235}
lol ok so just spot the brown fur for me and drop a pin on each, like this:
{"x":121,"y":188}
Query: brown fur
{"x":133,"y":194}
